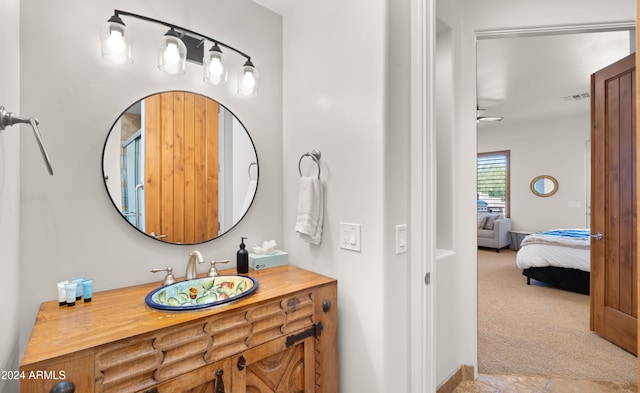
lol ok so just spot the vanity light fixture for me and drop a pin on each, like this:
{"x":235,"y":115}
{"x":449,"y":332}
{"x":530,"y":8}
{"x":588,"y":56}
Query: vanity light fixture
{"x":177,"y":46}
{"x":115,"y":41}
{"x":172,"y":54}
{"x":215,"y":66}
{"x":248,"y":81}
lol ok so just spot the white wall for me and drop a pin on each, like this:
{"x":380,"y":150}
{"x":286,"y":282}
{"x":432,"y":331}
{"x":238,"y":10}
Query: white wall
{"x":448,"y":300}
{"x":396,"y":278}
{"x":336,"y":99}
{"x":68,"y":224}
{"x":10,"y":190}
{"x":454,"y":272}
{"x":555,"y":147}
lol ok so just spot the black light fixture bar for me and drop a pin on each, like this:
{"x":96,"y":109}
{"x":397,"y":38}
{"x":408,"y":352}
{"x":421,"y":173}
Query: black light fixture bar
{"x":195,"y":47}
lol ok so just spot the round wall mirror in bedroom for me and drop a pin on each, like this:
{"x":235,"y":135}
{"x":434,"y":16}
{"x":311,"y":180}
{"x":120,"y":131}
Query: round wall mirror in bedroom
{"x":544,"y":185}
{"x":180,"y":167}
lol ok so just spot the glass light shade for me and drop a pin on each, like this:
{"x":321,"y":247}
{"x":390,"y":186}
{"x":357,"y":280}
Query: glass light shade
{"x":248,"y":80}
{"x":172,"y":54}
{"x":115,"y":41}
{"x":215,"y":66}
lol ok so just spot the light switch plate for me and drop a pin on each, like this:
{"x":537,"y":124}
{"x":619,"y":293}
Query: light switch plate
{"x":401,"y":239}
{"x":350,"y":236}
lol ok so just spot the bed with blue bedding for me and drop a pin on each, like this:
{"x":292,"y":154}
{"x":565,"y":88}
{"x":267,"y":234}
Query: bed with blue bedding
{"x":560,"y":258}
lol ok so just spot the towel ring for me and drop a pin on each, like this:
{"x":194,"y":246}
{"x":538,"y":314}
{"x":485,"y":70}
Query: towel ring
{"x":249,"y":170}
{"x":315,"y":155}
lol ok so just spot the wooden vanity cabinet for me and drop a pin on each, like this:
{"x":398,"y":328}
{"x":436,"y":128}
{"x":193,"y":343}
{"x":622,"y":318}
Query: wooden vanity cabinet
{"x":283,"y":338}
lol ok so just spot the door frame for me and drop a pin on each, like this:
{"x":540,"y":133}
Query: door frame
{"x":422,"y":229}
{"x":638,"y":161}
{"x":422,"y":331}
{"x":559,"y":30}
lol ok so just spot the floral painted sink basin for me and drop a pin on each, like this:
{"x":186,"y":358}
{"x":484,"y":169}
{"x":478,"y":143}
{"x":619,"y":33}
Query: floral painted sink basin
{"x":201,"y":293}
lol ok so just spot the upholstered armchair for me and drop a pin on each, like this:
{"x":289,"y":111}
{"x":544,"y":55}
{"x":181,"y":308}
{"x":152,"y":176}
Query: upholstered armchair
{"x":493,"y":231}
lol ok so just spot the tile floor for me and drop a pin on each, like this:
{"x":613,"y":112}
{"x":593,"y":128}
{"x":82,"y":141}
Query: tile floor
{"x":519,"y":384}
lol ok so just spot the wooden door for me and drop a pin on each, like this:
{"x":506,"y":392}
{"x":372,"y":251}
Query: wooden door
{"x":614,"y":307}
{"x":275,"y":367}
{"x":181,"y":167}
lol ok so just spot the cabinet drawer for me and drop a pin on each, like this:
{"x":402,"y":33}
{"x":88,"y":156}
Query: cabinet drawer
{"x":215,"y":377}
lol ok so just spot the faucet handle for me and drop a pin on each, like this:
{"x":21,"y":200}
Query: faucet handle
{"x":213,"y":272}
{"x":169,"y":278}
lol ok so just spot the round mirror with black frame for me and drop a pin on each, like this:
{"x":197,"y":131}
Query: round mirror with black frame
{"x":544,"y":185}
{"x":180,"y":167}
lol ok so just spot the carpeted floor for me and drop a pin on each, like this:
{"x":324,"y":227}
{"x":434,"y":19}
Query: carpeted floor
{"x":537,"y":330}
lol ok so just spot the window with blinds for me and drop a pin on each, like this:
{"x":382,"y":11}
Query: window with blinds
{"x":493,"y":181}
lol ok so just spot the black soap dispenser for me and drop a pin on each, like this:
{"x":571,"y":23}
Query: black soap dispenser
{"x":242,"y":264}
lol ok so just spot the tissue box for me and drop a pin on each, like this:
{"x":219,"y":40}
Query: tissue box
{"x":259,"y":262}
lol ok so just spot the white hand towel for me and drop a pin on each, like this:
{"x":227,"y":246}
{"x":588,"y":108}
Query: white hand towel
{"x":251,"y":191}
{"x":310,"y":210}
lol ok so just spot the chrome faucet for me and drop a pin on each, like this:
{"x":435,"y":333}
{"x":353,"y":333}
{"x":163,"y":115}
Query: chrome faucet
{"x":191,"y":264}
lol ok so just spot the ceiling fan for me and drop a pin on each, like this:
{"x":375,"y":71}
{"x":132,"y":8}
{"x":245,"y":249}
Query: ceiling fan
{"x":480,"y":118}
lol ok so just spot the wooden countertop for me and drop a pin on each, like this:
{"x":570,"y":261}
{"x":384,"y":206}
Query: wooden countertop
{"x":122,"y":313}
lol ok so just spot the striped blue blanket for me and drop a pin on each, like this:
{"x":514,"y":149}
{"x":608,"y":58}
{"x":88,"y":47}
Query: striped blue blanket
{"x":575,"y":238}
{"x":573,"y":233}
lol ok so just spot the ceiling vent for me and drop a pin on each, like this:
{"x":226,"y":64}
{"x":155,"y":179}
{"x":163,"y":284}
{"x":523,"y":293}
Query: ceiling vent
{"x":577,"y":97}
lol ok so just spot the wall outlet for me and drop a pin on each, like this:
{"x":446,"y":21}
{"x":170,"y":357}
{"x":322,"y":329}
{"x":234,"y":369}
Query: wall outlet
{"x":350,"y":236}
{"x":574,"y":204}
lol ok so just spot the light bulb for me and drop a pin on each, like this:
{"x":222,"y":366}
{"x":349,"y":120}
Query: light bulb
{"x":171,"y":54}
{"x":248,"y":81}
{"x":215,"y":67}
{"x":115,"y":42}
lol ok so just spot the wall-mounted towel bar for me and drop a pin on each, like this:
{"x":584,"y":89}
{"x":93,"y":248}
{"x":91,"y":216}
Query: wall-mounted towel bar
{"x":7,"y":119}
{"x":315,"y":155}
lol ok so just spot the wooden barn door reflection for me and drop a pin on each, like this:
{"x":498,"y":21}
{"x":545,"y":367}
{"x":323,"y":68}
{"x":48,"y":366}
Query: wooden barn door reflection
{"x":181,"y":167}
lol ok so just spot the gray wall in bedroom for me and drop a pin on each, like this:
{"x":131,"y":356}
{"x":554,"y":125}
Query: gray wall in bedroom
{"x":556,"y":147}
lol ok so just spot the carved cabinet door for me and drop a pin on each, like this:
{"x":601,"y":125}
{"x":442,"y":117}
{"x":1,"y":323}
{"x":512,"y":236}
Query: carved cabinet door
{"x":275,"y":367}
{"x":213,"y":378}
